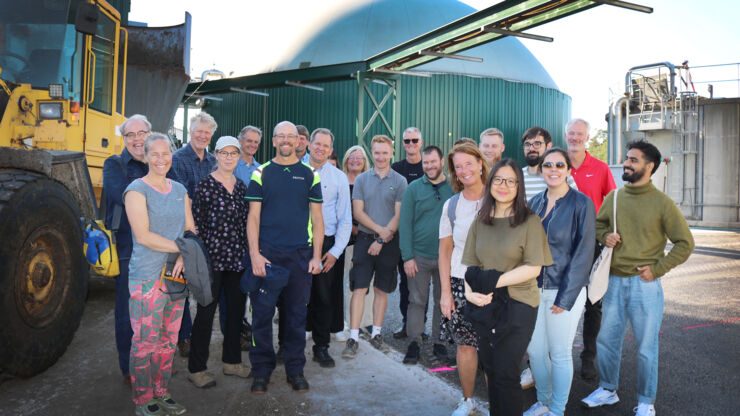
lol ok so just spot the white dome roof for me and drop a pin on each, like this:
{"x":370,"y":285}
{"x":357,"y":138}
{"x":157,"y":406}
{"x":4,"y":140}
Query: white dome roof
{"x":378,"y":25}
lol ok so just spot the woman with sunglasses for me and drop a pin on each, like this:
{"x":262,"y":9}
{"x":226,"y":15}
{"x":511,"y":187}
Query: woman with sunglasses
{"x":220,"y":213}
{"x":506,"y":241}
{"x":158,"y":210}
{"x":569,"y":219}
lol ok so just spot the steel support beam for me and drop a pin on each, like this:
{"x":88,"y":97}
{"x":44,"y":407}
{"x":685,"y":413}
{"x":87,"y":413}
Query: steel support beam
{"x":391,"y":96}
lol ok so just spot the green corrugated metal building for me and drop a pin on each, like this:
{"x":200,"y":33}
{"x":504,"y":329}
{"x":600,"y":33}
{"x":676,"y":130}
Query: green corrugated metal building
{"x":510,"y":90}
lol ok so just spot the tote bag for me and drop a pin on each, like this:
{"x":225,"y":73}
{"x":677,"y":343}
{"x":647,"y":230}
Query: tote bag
{"x":599,"y":278}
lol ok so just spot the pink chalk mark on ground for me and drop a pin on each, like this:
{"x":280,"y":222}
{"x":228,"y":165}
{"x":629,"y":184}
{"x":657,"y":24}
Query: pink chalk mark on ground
{"x":438,"y":369}
{"x":725,"y":321}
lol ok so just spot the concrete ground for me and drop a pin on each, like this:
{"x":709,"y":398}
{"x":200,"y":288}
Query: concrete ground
{"x":699,"y":362}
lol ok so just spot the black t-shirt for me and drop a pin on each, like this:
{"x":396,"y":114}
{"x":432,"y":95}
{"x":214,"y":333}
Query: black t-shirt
{"x":409,"y":171}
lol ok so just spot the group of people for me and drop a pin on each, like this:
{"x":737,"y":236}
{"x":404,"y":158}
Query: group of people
{"x":506,"y":250}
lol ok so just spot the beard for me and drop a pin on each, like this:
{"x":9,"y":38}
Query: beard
{"x":532,"y":159}
{"x":435,"y":172}
{"x":634,"y":176}
{"x":285,"y":153}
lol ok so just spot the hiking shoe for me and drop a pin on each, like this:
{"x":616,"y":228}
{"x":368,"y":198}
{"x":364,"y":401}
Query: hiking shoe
{"x":184,"y":347}
{"x":350,"y":351}
{"x":600,"y":397}
{"x":280,"y":355}
{"x":401,"y":333}
{"x":259,"y":385}
{"x":588,"y":370}
{"x":377,"y":342}
{"x":412,"y":354}
{"x":440,"y":352}
{"x":644,"y":409}
{"x":150,"y":408}
{"x":340,"y":336}
{"x":202,"y":379}
{"x":169,"y":404}
{"x":298,"y":382}
{"x":537,"y":409}
{"x":464,"y":407}
{"x":526,"y":379}
{"x":239,"y":370}
{"x":321,"y":356}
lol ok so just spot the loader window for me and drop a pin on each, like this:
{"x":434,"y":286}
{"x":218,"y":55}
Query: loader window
{"x":103,"y":46}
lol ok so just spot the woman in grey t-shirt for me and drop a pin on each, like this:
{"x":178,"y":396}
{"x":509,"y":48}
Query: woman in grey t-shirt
{"x":158,"y":210}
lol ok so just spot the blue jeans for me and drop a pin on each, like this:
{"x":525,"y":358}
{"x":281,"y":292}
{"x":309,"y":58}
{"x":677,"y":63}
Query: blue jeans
{"x":551,"y":350}
{"x":641,"y":303}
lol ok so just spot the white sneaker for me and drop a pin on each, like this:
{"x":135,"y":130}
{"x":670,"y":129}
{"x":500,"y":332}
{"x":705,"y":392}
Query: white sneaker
{"x":526,"y":379}
{"x":309,"y":334}
{"x":340,"y":336}
{"x":465,"y":407}
{"x":644,"y":409}
{"x":601,"y":397}
{"x":537,"y":409}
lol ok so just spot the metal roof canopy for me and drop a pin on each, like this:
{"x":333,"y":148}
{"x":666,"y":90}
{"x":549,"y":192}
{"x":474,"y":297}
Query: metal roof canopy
{"x":508,"y":18}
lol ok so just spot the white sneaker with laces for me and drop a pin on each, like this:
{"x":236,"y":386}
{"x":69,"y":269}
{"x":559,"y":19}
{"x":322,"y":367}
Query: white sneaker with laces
{"x":537,"y":409}
{"x":526,"y":379}
{"x":464,"y":407}
{"x":340,"y":336}
{"x":644,"y":409}
{"x":600,"y":397}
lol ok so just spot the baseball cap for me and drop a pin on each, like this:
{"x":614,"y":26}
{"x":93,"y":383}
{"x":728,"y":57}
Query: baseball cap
{"x":225,"y":141}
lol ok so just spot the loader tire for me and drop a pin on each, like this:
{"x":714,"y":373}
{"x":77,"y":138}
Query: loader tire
{"x":43,"y":275}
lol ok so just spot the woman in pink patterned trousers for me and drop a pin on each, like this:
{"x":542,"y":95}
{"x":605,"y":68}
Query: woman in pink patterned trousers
{"x":159,"y":212}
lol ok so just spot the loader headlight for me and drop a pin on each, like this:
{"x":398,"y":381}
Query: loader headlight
{"x":56,"y":90}
{"x":50,"y":111}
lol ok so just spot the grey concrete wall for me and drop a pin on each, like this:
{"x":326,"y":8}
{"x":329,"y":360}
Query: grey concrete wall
{"x":721,"y":175}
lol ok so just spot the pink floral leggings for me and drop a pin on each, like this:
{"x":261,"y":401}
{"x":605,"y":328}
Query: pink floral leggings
{"x":155,"y":320}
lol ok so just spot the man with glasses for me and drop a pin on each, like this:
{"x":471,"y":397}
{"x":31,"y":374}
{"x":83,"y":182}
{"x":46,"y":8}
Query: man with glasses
{"x":594,"y":178}
{"x":118,"y":172}
{"x":327,"y":290}
{"x":535,"y":142}
{"x":190,"y":164}
{"x":492,"y":145}
{"x":410,"y":168}
{"x":419,"y":240}
{"x":285,"y":227}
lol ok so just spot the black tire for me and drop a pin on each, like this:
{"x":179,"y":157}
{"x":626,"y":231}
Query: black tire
{"x":43,"y":274}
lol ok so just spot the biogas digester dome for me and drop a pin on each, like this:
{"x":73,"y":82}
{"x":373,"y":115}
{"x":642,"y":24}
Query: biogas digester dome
{"x":509,"y":90}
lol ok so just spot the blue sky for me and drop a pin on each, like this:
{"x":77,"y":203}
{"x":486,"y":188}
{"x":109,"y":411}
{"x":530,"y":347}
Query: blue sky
{"x":591,"y":53}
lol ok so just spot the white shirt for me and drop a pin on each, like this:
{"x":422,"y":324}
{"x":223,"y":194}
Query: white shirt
{"x":465,"y":213}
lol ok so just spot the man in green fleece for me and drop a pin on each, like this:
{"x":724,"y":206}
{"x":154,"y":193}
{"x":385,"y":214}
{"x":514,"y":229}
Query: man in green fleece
{"x":419,"y":239}
{"x":646,"y":218}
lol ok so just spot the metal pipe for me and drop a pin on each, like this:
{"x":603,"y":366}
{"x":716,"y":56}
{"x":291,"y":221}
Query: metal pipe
{"x":610,"y":135}
{"x":451,"y":56}
{"x":618,"y":137}
{"x":505,"y":32}
{"x":626,"y":5}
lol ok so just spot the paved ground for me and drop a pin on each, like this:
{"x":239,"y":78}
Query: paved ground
{"x":699,"y":362}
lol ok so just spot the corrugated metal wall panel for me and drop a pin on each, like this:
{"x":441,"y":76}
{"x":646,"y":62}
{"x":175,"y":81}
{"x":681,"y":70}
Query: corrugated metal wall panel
{"x":444,"y":107}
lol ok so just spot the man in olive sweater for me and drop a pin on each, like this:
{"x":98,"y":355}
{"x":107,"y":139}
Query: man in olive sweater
{"x":646,"y":217}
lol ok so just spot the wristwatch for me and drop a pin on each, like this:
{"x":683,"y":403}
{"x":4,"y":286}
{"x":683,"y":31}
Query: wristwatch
{"x":379,"y":240}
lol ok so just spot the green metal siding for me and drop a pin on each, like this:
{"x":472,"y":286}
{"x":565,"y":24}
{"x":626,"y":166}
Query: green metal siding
{"x":444,"y":107}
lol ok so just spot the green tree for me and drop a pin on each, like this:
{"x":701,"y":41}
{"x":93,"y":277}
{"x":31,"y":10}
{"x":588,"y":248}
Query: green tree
{"x":598,"y":144}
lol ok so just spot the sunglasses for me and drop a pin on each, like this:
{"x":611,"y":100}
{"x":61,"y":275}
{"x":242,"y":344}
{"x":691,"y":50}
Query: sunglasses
{"x":408,"y":141}
{"x":550,"y":165}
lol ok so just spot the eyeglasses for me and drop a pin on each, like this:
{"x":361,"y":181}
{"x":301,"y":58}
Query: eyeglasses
{"x":356,"y":158}
{"x":533,"y":145}
{"x":229,"y":155}
{"x":408,"y":141}
{"x":550,"y":165}
{"x":437,"y":196}
{"x":140,"y":134}
{"x":286,"y":136}
{"x":510,"y":182}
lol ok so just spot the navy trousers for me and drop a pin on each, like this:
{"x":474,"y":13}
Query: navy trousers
{"x":124,"y":333}
{"x":293,"y":300}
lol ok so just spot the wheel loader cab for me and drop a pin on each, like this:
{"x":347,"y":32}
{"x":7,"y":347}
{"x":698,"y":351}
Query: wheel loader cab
{"x":62,"y":57}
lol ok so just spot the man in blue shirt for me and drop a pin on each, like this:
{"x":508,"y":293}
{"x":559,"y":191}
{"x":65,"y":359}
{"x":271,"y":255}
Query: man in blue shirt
{"x":285,"y":227}
{"x":190,"y":164}
{"x":327,"y":290}
{"x":118,"y":172}
{"x":249,"y":140}
{"x":301,"y":147}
